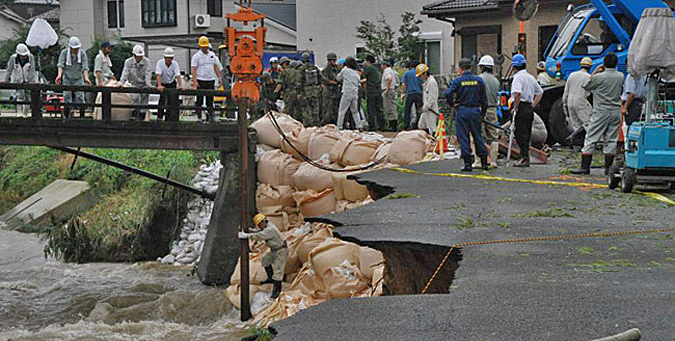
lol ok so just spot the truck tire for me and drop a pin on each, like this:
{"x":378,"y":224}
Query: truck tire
{"x":558,"y":130}
{"x":613,"y":177}
{"x":627,"y":180}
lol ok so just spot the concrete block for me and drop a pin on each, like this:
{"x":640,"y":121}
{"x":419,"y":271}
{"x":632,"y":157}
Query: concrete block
{"x":59,"y":200}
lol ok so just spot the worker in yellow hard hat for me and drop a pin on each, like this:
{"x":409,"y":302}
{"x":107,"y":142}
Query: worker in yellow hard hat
{"x":575,"y":102}
{"x":275,"y":261}
{"x":203,"y":41}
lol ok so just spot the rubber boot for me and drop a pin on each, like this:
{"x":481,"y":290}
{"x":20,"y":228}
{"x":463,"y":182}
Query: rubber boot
{"x":270,"y":272}
{"x":523,"y":162}
{"x":494,"y":153}
{"x":585,"y":165}
{"x":467,"y":164}
{"x":609,"y":160}
{"x":277,"y":290}
{"x":484,"y":162}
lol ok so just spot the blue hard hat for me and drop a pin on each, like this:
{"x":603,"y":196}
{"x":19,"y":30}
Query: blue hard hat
{"x":518,"y":60}
{"x":341,"y":61}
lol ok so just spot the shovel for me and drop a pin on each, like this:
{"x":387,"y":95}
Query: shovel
{"x":511,"y":135}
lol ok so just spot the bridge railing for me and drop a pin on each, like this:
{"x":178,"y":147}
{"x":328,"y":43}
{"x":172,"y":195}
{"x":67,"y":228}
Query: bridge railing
{"x":36,"y":101}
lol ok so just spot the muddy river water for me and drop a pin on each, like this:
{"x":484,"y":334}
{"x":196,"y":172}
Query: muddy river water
{"x":44,"y":299}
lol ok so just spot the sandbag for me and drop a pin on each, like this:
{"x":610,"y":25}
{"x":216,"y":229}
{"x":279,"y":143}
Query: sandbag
{"x":369,"y":260}
{"x":116,"y":98}
{"x":346,"y":189}
{"x":310,"y":177}
{"x":266,"y":195}
{"x":256,"y":272}
{"x":408,"y":147}
{"x":539,"y":133}
{"x":300,"y":140}
{"x":267,"y":133}
{"x":281,"y":216}
{"x":335,"y":263}
{"x":277,"y":168}
{"x":352,"y":152}
{"x":308,"y":243}
{"x":381,"y":152}
{"x":233,"y":293}
{"x":322,"y":141}
{"x":314,"y":204}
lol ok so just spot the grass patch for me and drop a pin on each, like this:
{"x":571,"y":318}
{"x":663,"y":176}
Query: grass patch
{"x":549,"y":213}
{"x":259,"y":334}
{"x":466,"y":223}
{"x":613,"y":248}
{"x":585,"y":250}
{"x":504,"y":225}
{"x":403,"y":195}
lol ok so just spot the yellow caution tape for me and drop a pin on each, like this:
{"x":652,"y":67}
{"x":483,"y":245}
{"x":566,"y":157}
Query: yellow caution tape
{"x":653,"y":195}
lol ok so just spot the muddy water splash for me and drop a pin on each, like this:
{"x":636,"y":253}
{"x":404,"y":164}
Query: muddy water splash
{"x":48,"y":300}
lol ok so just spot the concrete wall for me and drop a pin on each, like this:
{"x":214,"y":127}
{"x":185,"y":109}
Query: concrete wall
{"x":7,"y":27}
{"x":325,"y":26}
{"x":83,"y":19}
{"x":550,"y":13}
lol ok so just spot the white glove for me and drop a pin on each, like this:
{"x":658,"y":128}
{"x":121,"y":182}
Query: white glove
{"x":243,"y":235}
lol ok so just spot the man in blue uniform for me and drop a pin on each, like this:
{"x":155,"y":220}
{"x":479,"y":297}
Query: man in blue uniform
{"x":467,"y":94}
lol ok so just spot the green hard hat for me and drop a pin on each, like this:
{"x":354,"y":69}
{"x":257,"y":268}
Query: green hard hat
{"x":306,"y":57}
{"x":331,"y":56}
{"x":284,"y":60}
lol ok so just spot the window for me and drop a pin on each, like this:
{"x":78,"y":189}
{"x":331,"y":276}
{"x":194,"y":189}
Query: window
{"x":214,"y":8}
{"x":158,"y":13}
{"x":546,"y":33}
{"x":479,"y":41}
{"x":594,"y":38}
{"x":116,"y":14}
{"x":433,"y":56}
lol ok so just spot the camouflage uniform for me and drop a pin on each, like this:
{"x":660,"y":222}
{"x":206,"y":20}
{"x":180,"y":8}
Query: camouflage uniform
{"x":331,"y":94}
{"x":290,"y":83}
{"x":310,"y":101}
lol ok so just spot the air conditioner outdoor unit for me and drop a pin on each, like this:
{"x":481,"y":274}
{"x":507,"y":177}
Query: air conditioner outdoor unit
{"x":202,"y":20}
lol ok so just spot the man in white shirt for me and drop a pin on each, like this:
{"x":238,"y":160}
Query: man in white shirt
{"x":575,"y":98}
{"x":351,"y":82}
{"x":429,"y":117}
{"x":103,"y":65}
{"x":167,"y":73}
{"x":205,"y":69}
{"x":390,"y":83}
{"x":526,"y":94}
{"x":634,"y":93}
{"x":138,"y":72}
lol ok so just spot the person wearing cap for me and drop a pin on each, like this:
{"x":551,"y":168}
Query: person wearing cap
{"x":429,"y":116}
{"x":390,"y":83}
{"x":167,"y":72}
{"x":526,"y":93}
{"x":288,"y":87}
{"x":138,"y":72}
{"x":373,"y":84}
{"x":411,"y":86}
{"x":351,"y":82}
{"x":21,"y":69}
{"x":205,"y":69}
{"x":73,"y":69}
{"x":467,"y":94}
{"x":543,"y":77}
{"x":575,"y":101}
{"x":103,"y":65}
{"x":330,"y":96}
{"x":606,"y":85}
{"x":490,"y":132}
{"x":274,"y":68}
{"x":275,"y":261}
{"x":310,"y":99}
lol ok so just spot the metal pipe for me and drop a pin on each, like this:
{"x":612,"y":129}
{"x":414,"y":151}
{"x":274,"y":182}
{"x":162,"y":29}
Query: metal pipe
{"x":243,"y":207}
{"x":137,"y":171}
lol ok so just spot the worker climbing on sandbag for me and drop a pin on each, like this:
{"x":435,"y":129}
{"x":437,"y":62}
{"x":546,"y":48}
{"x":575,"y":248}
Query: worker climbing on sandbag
{"x":275,"y":261}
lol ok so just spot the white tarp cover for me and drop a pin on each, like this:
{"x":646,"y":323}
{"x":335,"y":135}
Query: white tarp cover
{"x":653,"y":45}
{"x":41,"y":34}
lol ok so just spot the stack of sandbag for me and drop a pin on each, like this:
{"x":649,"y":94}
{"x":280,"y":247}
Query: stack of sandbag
{"x":267,"y":132}
{"x":116,"y":98}
{"x":300,"y":140}
{"x":409,"y":147}
{"x":322,"y":141}
{"x":276,"y":168}
{"x":353,"y":151}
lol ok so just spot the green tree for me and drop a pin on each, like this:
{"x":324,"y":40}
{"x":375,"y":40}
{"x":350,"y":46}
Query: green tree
{"x":121,"y":50}
{"x":410,"y":46}
{"x":378,"y":36}
{"x":47,"y":58}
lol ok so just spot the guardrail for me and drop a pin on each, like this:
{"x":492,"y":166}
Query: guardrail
{"x":36,"y":101}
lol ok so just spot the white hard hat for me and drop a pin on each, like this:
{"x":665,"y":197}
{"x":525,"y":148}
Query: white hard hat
{"x":22,"y":50}
{"x":486,"y":61}
{"x":274,"y":60}
{"x":74,"y":43}
{"x":168,"y":52}
{"x":138,"y":51}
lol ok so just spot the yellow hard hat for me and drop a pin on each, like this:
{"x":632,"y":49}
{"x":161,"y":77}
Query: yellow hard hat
{"x":420,"y":69}
{"x":586,"y":62}
{"x":203,"y":41}
{"x":258,"y":219}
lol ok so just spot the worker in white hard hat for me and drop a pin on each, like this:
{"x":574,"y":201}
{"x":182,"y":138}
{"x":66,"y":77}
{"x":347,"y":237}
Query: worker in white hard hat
{"x":486,"y":65}
{"x":167,"y":72}
{"x":138,"y":72}
{"x":73,"y":69}
{"x":275,"y":261}
{"x":575,"y":102}
{"x":429,"y":114}
{"x":543,"y":77}
{"x":21,"y":69}
{"x":274,"y":69}
{"x":103,"y":65}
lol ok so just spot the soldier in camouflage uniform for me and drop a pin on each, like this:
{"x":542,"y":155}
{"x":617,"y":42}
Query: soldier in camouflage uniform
{"x":331,"y":90}
{"x":288,"y":82}
{"x":268,"y":98}
{"x":310,"y":100}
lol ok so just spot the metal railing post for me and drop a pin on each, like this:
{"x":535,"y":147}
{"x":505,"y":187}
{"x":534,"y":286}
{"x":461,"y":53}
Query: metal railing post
{"x":106,"y":102}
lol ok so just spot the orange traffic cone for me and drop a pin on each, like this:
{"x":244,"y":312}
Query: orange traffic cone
{"x":441,"y":140}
